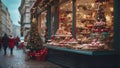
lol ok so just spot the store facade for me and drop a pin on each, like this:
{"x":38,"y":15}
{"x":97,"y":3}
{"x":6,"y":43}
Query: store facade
{"x":80,"y":33}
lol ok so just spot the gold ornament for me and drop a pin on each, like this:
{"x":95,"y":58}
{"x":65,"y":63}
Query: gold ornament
{"x":34,"y":20}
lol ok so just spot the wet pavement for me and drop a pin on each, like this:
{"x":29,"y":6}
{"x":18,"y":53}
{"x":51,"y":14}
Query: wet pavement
{"x":18,"y":60}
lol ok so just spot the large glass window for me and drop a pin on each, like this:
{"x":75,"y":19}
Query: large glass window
{"x":94,"y":23}
{"x":63,"y":33}
{"x":65,"y":18}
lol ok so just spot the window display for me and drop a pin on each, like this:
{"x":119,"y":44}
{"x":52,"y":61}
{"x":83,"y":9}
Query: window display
{"x":63,"y":33}
{"x":94,"y":25}
{"x":65,"y":16}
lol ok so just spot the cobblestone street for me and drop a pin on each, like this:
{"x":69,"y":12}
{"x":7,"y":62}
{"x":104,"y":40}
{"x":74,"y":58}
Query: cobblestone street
{"x":17,"y":60}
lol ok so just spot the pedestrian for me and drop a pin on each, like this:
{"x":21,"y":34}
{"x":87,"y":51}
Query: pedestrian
{"x":17,"y":40}
{"x":0,"y":43}
{"x":5,"y":40}
{"x":11,"y":44}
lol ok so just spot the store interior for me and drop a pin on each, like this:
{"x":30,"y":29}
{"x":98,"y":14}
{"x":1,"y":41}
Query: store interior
{"x":94,"y":25}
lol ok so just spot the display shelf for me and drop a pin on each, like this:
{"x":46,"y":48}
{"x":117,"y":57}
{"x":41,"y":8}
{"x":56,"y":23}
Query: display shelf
{"x":84,"y":52}
{"x":62,"y":35}
{"x":72,"y":42}
{"x":69,"y":58}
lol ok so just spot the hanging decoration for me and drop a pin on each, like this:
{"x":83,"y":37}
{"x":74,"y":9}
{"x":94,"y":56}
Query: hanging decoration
{"x":34,"y":20}
{"x":43,"y":5}
{"x":33,"y":11}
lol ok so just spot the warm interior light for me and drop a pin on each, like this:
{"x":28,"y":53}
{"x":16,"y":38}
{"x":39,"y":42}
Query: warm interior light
{"x":111,"y":9}
{"x":78,"y":10}
{"x":84,"y":16}
{"x":107,"y":17}
{"x":92,"y":4}
{"x":61,"y":7}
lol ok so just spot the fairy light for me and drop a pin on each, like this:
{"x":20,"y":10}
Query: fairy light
{"x":84,"y":16}
{"x":107,"y":17}
{"x":92,"y":4}
{"x":111,"y":9}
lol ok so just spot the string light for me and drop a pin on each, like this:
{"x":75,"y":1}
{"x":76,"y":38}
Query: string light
{"x":111,"y":9}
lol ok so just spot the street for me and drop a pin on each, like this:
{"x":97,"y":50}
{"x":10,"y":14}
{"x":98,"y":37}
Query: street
{"x":18,"y":60}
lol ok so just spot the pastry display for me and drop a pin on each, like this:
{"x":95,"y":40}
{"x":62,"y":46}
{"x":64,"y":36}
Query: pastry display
{"x":93,"y":26}
{"x":99,"y":26}
{"x":99,"y":23}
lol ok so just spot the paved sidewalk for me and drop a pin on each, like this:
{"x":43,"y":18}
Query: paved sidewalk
{"x":17,"y":60}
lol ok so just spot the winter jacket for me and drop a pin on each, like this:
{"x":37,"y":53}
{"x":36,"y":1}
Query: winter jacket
{"x":11,"y":42}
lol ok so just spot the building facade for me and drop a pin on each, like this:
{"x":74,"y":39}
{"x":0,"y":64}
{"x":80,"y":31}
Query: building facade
{"x":24,"y":10}
{"x":5,"y":20}
{"x":76,"y":28}
{"x":16,"y":31}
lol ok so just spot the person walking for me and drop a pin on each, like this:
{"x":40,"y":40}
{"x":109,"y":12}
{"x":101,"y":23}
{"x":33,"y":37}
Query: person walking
{"x":17,"y":40}
{"x":0,"y":43}
{"x":5,"y":40}
{"x":11,"y":44}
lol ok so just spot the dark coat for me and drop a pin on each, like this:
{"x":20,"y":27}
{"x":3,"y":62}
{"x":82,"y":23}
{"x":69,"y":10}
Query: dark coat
{"x":0,"y":41}
{"x":17,"y":39}
{"x":5,"y":40}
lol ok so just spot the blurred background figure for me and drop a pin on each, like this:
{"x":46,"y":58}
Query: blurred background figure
{"x":0,"y":43}
{"x":11,"y":44}
{"x":5,"y":40}
{"x":17,"y":40}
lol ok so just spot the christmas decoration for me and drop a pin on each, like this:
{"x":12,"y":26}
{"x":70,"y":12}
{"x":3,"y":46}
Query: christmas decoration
{"x":34,"y":20}
{"x":44,"y":3}
{"x":21,"y":46}
{"x":99,"y":28}
{"x":35,"y":43}
{"x":39,"y":55}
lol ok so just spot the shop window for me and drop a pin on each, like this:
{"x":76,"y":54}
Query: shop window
{"x":65,"y":19}
{"x":94,"y":24}
{"x":63,"y":33}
